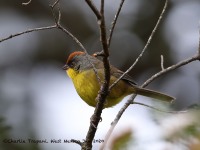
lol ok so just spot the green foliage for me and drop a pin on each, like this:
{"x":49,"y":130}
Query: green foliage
{"x":122,"y":141}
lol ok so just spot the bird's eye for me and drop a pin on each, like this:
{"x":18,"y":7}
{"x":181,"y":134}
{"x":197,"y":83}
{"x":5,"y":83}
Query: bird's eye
{"x":77,"y":67}
{"x":72,"y":65}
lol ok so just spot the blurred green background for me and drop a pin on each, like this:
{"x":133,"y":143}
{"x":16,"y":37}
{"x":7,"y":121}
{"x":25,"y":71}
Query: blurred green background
{"x":35,"y":93}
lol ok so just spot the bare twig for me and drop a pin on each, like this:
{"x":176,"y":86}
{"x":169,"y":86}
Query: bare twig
{"x":102,"y":9}
{"x":77,"y":142}
{"x":72,"y":36}
{"x":162,"y":62}
{"x":27,"y":31}
{"x":101,"y":97}
{"x":103,"y":36}
{"x":130,"y":101}
{"x":173,"y":67}
{"x":94,"y":9}
{"x":54,"y":4}
{"x":59,"y":26}
{"x":157,"y":109}
{"x":114,"y":22}
{"x":145,"y":47}
{"x":26,"y":3}
{"x":199,"y":42}
{"x":116,"y":120}
{"x":59,"y":14}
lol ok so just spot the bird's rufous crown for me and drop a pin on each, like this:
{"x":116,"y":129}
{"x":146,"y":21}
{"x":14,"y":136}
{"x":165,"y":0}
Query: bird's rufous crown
{"x":72,"y":55}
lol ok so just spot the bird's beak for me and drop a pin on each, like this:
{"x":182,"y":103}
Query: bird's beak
{"x":65,"y":67}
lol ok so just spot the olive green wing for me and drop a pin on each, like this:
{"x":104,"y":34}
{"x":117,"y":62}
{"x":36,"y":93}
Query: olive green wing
{"x":118,"y":73}
{"x":143,"y":91}
{"x":113,"y":71}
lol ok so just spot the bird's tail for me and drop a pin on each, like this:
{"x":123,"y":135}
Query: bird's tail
{"x":154,"y":94}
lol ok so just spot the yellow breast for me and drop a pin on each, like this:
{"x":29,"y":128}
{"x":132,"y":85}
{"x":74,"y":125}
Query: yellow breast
{"x":87,"y":86}
{"x":71,"y":73}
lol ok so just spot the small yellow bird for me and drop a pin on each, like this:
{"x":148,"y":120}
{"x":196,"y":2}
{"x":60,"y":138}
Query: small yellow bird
{"x":80,"y":70}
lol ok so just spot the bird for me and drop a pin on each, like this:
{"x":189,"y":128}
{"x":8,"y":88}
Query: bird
{"x":85,"y":71}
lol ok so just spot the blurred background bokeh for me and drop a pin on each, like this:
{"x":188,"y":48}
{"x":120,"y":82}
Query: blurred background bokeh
{"x":38,"y":100}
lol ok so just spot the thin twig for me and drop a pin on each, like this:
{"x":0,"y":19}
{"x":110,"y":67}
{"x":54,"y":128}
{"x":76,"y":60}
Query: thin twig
{"x":59,"y":26}
{"x":94,"y":9}
{"x":114,"y":22}
{"x":157,"y":109}
{"x":162,"y":62}
{"x":130,"y":101}
{"x":199,"y":42}
{"x":103,"y":34}
{"x":59,"y":13}
{"x":77,"y":142}
{"x":102,"y":8}
{"x":54,"y":14}
{"x":28,"y":31}
{"x":26,"y":3}
{"x":145,"y":47}
{"x":168,"y":69}
{"x":116,"y":120}
{"x":54,"y":4}
{"x":72,"y":36}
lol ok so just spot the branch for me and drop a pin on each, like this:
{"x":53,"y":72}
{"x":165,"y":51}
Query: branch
{"x":157,"y":109}
{"x":130,"y":101}
{"x":72,"y":36}
{"x":103,"y":92}
{"x":145,"y":47}
{"x":57,"y":25}
{"x":26,"y":3}
{"x":104,"y":88}
{"x":77,"y":142}
{"x":54,"y":4}
{"x":162,"y":62}
{"x":114,"y":22}
{"x":116,"y":120}
{"x":173,"y":67}
{"x":199,"y":42}
{"x":27,"y":31}
{"x":94,"y":9}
